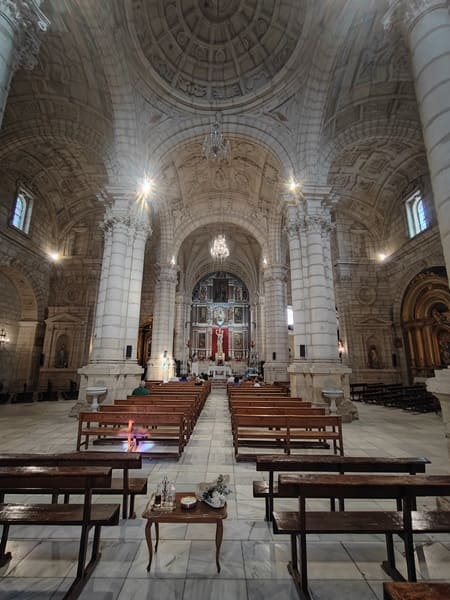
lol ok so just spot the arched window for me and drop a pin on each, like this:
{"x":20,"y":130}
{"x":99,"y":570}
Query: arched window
{"x":415,"y":213}
{"x":22,"y":211}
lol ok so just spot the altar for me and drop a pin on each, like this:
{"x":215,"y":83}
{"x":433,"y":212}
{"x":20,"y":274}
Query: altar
{"x":222,"y":372}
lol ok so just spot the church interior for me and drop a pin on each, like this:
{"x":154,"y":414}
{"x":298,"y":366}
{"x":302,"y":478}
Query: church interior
{"x":218,"y":186}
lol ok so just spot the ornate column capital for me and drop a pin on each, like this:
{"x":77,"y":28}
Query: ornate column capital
{"x":122,"y":208}
{"x":167,"y":273}
{"x":27,"y":19}
{"x":275,"y":273}
{"x":404,"y":13}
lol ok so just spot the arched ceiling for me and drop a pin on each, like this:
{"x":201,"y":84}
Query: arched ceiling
{"x":107,"y":69}
{"x":217,"y":52}
{"x":244,"y":260}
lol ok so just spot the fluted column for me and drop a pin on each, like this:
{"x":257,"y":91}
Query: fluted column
{"x":116,"y":328}
{"x":301,"y":336}
{"x":119,"y":296}
{"x":277,"y":350}
{"x":163,"y":321}
{"x":426,"y":25}
{"x":315,"y":228}
{"x":21,"y":22}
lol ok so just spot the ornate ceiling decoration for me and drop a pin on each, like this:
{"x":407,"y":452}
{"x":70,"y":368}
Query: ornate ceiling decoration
{"x":218,"y":51}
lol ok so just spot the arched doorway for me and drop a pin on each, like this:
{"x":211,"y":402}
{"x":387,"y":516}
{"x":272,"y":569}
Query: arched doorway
{"x":426,"y":323}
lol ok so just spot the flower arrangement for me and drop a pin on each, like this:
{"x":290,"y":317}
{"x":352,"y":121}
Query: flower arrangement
{"x":215,"y":493}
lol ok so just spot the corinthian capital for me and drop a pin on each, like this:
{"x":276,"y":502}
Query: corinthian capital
{"x":167,"y":273}
{"x":404,"y":13}
{"x":26,"y":17}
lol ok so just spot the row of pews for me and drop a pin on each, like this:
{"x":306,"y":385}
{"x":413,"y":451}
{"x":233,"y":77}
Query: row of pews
{"x":414,"y":398}
{"x":401,"y":480}
{"x":165,"y":418}
{"x":266,"y":417}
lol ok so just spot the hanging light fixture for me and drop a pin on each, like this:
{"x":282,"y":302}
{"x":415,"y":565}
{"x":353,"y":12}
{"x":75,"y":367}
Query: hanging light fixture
{"x":215,"y":146}
{"x":4,"y":339}
{"x":219,"y":249}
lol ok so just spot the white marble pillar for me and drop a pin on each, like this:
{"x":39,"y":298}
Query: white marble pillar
{"x":309,"y":230}
{"x":182,"y":316}
{"x":426,"y":26}
{"x":116,"y":327}
{"x":163,"y":322}
{"x":277,"y":346}
{"x":20,"y":24}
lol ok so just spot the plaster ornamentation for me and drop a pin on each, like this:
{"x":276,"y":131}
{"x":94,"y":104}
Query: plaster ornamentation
{"x":275,"y":273}
{"x":167,"y":274}
{"x":239,"y":49}
{"x":28,"y":20}
{"x":403,"y":13}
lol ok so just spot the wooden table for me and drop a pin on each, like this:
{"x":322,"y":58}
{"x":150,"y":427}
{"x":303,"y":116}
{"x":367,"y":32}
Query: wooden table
{"x":201,"y":513}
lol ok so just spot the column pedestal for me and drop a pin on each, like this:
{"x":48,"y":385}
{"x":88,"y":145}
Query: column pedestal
{"x":439,"y":385}
{"x":120,"y":378}
{"x":309,"y":379}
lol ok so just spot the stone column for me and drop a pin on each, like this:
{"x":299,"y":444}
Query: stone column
{"x":163,"y":322}
{"x":426,"y":26}
{"x":20,"y":24}
{"x":277,"y":349}
{"x":181,"y":336}
{"x":313,"y":300}
{"x":113,"y":360}
{"x":26,"y":336}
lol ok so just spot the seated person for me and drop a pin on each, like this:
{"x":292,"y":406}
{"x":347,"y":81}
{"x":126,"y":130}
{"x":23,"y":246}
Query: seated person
{"x":141,"y":390}
{"x":183,"y":378}
{"x":230,"y":379}
{"x":236,"y":381}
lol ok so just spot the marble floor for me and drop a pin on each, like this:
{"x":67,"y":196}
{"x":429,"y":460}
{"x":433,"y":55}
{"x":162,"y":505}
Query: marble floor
{"x":253,"y":559}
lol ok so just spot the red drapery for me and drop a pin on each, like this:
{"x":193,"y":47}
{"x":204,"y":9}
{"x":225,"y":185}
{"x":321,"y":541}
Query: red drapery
{"x":224,"y":343}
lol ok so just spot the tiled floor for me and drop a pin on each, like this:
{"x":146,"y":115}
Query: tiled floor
{"x":253,"y":559}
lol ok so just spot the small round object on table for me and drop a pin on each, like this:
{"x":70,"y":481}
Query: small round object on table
{"x":188,"y":502}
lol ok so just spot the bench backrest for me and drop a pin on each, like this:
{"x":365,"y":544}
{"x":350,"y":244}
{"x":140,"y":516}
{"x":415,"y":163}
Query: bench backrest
{"x":341,"y":464}
{"x":291,"y":421}
{"x":114,"y":460}
{"x":124,"y":417}
{"x":277,"y":410}
{"x":50,"y":478}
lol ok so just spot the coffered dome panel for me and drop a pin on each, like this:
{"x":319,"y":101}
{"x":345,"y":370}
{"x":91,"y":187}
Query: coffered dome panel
{"x":218,"y":51}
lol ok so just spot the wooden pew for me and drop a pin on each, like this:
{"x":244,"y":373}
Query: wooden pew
{"x":326,"y":464}
{"x":406,"y":488}
{"x":127,"y":486}
{"x":110,"y":427}
{"x":416,"y":591}
{"x":286,"y":432}
{"x":38,"y":480}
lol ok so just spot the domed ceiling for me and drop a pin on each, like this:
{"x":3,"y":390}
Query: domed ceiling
{"x":217,"y":51}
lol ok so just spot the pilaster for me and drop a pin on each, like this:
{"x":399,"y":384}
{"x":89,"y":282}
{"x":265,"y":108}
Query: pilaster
{"x":277,"y":348}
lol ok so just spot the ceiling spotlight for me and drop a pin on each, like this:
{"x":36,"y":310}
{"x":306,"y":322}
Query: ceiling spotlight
{"x":293,"y":185}
{"x":55,"y":256}
{"x":382,"y":256}
{"x":146,"y":187}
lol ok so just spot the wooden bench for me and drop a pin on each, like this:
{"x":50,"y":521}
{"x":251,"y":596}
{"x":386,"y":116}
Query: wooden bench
{"x":37,"y":480}
{"x":286,"y":432}
{"x":405,"y":488}
{"x":327,"y":464}
{"x":127,"y":486}
{"x":167,"y":429}
{"x":416,"y":591}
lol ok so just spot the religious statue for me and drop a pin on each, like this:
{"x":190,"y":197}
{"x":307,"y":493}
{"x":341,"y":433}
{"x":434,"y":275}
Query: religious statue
{"x":219,"y":334}
{"x":373,"y":358}
{"x":62,"y":358}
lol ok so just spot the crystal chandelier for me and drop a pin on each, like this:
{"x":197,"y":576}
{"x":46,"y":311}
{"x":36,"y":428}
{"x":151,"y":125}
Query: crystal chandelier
{"x":215,"y":147}
{"x":219,"y":249}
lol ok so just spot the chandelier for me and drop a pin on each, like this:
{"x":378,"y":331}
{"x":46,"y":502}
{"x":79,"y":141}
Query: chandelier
{"x":219,"y":249}
{"x":215,"y":146}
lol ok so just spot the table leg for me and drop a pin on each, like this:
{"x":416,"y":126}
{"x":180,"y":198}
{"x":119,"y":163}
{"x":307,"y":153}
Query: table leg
{"x":148,"y":537}
{"x":157,"y":535}
{"x":219,"y":535}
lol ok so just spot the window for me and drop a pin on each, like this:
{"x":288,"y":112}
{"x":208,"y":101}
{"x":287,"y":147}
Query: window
{"x":290,"y":318}
{"x":22,"y":211}
{"x":415,"y":213}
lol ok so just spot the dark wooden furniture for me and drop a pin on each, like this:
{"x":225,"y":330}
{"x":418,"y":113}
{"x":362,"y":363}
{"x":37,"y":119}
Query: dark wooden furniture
{"x":416,"y":591}
{"x":286,"y":432}
{"x":201,"y":513}
{"x":327,"y":464}
{"x":168,"y":429}
{"x":405,"y":523}
{"x":127,"y":486}
{"x":37,"y":480}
